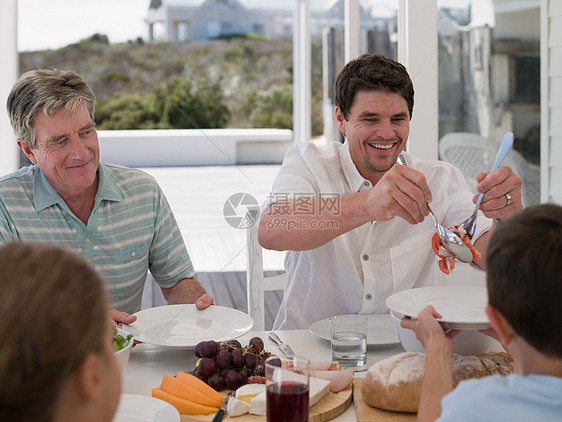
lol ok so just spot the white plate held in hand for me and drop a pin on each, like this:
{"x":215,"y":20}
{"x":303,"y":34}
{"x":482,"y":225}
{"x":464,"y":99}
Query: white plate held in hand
{"x":461,"y":307}
{"x":184,"y":326}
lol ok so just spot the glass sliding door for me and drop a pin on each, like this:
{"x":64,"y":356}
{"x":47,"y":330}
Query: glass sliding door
{"x":489,"y":83}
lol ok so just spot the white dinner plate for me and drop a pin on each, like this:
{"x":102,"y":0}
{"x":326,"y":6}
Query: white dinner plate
{"x":137,"y":408}
{"x":184,"y":325}
{"x":380,"y":331}
{"x":461,"y":307}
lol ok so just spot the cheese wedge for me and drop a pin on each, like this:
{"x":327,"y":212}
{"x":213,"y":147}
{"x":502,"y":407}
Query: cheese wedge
{"x":248,"y":391}
{"x":236,"y":407}
{"x":258,"y":405}
{"x":317,"y":389}
{"x":254,"y":395}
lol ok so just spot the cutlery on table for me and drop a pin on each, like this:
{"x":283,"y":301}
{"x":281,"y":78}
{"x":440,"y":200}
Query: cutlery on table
{"x":285,"y":348}
{"x":220,"y":414}
{"x":450,"y":241}
{"x":469,"y":225}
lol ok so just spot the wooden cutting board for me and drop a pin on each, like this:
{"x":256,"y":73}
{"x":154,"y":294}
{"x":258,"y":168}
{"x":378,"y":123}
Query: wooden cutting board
{"x":366,"y":413}
{"x":331,"y":405}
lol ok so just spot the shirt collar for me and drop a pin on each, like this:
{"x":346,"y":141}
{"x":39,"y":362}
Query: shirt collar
{"x":352,"y":175}
{"x":45,"y":195}
{"x":108,"y":188}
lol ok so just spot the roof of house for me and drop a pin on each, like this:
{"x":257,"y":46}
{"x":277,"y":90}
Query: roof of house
{"x":274,"y":4}
{"x":378,"y":7}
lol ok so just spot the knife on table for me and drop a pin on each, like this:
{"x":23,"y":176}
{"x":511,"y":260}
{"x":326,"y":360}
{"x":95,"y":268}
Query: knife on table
{"x":285,"y":348}
{"x":220,"y":414}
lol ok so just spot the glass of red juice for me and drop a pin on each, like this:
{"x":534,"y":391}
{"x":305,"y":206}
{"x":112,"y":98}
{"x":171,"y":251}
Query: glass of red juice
{"x":287,"y":388}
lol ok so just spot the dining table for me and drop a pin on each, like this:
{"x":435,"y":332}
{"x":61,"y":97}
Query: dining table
{"x":148,"y":362}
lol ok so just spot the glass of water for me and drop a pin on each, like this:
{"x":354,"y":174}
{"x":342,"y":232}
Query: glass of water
{"x":348,"y":335}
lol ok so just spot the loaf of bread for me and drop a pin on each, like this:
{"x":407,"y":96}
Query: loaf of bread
{"x":395,"y":383}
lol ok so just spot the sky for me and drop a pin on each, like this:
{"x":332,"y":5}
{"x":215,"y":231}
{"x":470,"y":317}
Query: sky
{"x":44,"y":24}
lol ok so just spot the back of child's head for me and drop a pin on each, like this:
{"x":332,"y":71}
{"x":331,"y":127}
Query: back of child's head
{"x":53,"y":313}
{"x":524,"y":275}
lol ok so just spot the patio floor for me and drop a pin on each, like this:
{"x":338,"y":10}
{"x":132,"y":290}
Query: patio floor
{"x":197,"y":196}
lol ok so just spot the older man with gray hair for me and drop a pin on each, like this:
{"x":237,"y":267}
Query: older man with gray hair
{"x":115,"y":217}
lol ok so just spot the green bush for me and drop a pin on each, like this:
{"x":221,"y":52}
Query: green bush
{"x":274,"y":109}
{"x":234,"y":54}
{"x":115,"y":77}
{"x":125,"y":113}
{"x":177,"y":104}
{"x":91,"y":41}
{"x":239,"y":83}
{"x":181,"y":104}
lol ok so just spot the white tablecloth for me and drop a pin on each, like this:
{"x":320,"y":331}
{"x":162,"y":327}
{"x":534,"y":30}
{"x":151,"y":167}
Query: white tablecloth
{"x":148,"y":363}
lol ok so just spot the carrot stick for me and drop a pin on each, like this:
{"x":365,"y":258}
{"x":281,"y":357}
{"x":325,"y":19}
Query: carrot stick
{"x":185,"y":407}
{"x":200,"y":385}
{"x":185,"y":391}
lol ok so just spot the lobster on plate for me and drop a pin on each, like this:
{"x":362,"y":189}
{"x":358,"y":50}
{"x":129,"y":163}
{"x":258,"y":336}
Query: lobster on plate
{"x":447,"y":261}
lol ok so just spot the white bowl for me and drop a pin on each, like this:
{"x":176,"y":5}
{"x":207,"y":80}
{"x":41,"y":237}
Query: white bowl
{"x":467,"y":343}
{"x":124,"y":354}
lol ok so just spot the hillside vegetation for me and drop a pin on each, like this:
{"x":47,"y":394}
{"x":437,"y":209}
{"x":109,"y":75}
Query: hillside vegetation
{"x":239,"y":82}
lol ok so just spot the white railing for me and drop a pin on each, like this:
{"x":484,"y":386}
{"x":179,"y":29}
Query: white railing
{"x":194,"y":147}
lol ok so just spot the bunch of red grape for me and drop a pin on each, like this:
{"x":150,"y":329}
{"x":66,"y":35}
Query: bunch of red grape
{"x":228,"y":364}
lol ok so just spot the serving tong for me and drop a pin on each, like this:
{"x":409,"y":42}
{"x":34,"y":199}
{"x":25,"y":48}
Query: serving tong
{"x":450,"y":241}
{"x":469,"y":225}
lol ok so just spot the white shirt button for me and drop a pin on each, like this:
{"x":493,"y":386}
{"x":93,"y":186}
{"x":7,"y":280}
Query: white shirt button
{"x":368,"y":296}
{"x":87,"y":240}
{"x":365,"y":257}
{"x":133,"y":254}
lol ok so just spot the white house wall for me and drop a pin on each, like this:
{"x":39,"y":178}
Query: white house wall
{"x":274,"y":22}
{"x":8,"y":75}
{"x":518,"y":24}
{"x":551,"y":101}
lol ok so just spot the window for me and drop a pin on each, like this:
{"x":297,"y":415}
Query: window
{"x":257,"y":28}
{"x":182,"y":31}
{"x":226,"y":28}
{"x":489,"y":83}
{"x":525,"y":78}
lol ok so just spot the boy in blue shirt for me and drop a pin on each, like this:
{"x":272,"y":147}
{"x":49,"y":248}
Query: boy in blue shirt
{"x":524,"y":279}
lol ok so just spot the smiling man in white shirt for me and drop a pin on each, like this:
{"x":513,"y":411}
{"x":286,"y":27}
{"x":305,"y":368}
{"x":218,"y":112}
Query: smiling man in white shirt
{"x":352,"y":222}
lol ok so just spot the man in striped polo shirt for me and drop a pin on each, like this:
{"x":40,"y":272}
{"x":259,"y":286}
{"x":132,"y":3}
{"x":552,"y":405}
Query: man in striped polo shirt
{"x":115,"y":217}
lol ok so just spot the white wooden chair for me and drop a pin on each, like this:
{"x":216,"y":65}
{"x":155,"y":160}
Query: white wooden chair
{"x":257,"y":284}
{"x":472,"y":153}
